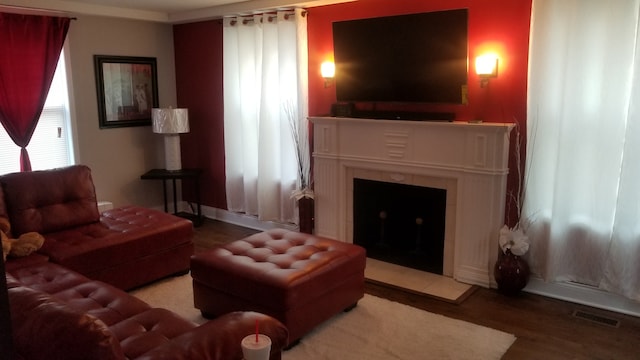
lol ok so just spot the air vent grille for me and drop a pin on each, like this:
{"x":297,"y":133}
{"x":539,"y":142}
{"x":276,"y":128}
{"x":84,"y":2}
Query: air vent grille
{"x":596,"y":318}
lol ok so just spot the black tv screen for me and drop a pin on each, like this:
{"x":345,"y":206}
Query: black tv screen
{"x":406,"y":58}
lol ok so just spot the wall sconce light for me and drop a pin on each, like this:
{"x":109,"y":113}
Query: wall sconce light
{"x":171,"y":123}
{"x":486,"y":68}
{"x":328,"y":71}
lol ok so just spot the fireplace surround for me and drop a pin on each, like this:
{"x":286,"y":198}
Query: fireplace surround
{"x":468,"y":160}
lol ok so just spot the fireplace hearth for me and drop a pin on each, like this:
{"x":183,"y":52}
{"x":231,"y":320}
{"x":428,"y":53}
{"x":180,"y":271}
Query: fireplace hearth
{"x":401,"y":224}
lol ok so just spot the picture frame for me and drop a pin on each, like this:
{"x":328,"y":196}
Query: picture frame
{"x":127,"y":89}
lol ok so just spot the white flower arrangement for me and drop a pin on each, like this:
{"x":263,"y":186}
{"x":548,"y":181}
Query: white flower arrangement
{"x":514,"y":240}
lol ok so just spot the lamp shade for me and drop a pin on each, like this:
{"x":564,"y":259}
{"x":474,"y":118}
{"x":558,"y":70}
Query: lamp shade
{"x":487,"y":65}
{"x":170,"y":121}
{"x":328,"y":69}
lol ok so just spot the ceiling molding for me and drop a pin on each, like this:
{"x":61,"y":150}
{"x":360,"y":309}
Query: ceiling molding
{"x":73,"y":8}
{"x":77,"y":8}
{"x":246,"y":7}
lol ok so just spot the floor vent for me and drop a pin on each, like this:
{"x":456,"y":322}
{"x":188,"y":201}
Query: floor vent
{"x":596,"y":318}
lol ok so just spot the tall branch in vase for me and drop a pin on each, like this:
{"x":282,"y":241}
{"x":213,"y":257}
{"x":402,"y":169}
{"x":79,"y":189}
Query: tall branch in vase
{"x":515,"y":238}
{"x":516,"y":195}
{"x":300,"y":136}
{"x":511,"y":272}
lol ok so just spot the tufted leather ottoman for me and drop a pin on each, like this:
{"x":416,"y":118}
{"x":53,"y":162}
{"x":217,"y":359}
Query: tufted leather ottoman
{"x":300,"y":279}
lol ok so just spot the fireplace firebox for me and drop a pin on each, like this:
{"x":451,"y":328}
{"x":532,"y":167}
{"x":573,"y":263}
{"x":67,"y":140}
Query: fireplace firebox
{"x":399,"y":223}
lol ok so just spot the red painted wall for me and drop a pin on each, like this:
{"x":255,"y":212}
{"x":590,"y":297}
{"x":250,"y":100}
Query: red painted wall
{"x":498,"y":25}
{"x":198,"y":58}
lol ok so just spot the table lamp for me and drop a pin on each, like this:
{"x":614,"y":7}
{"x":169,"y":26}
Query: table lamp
{"x":171,"y":123}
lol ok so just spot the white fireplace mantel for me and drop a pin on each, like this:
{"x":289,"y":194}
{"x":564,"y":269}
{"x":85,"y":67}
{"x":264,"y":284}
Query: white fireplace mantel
{"x":469,"y":160}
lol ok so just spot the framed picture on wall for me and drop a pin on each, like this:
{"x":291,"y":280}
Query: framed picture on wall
{"x":127,"y":89}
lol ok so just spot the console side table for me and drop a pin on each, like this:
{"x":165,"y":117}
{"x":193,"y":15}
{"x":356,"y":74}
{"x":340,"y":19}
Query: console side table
{"x":164,"y":175}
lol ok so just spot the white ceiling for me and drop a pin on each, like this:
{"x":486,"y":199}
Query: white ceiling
{"x":170,"y":11}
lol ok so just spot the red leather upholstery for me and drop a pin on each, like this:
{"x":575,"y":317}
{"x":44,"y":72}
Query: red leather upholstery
{"x":3,"y":207}
{"x":125,"y":240}
{"x":59,"y":313}
{"x":300,"y":279}
{"x":111,"y":247}
{"x":43,"y":328}
{"x":88,"y":319}
{"x":50,"y":200}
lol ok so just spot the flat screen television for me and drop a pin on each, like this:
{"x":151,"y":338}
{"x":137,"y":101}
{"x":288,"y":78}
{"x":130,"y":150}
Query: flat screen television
{"x":406,"y":58}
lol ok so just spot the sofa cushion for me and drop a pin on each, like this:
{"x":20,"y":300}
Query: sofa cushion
{"x":146,"y":331}
{"x":123,"y":235}
{"x":107,"y":303}
{"x":32,"y":259}
{"x":45,"y":328}
{"x":50,"y":200}
{"x":47,"y":277}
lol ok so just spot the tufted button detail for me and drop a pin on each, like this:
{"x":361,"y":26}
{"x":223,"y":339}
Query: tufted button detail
{"x":300,"y":279}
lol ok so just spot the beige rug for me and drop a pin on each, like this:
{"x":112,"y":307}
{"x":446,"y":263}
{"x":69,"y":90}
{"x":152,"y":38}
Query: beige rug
{"x":375,"y":329}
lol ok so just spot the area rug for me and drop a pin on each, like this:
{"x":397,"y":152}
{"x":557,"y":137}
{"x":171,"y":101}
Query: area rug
{"x":376,"y":329}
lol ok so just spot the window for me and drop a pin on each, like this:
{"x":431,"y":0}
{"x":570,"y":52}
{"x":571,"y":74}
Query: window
{"x":51,"y":144}
{"x":583,"y":144}
{"x":265,"y":93}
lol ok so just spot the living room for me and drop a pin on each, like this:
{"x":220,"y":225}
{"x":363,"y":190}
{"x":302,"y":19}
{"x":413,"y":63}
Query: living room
{"x":118,"y":156}
{"x":188,"y":52}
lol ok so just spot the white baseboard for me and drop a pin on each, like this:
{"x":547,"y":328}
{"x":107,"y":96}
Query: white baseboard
{"x":585,"y":295}
{"x":248,"y":221}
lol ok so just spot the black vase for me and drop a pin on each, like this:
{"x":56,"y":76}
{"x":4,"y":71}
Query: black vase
{"x":511,"y":273}
{"x":306,"y":214}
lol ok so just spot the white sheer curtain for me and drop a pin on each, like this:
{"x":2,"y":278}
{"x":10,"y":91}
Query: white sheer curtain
{"x":265,"y":79}
{"x":583,"y":153}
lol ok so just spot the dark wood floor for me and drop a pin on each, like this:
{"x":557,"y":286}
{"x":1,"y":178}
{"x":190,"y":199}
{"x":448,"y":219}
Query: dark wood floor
{"x":545,"y":328}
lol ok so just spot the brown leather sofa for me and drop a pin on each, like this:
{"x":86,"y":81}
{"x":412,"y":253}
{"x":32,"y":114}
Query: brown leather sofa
{"x":67,"y":300}
{"x":57,"y":313}
{"x":126,"y":247}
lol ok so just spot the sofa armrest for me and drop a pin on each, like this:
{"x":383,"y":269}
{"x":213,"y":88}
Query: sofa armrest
{"x":45,"y":328}
{"x":220,"y":338}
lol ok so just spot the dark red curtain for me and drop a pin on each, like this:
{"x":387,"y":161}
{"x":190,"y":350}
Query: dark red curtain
{"x":30,"y":46}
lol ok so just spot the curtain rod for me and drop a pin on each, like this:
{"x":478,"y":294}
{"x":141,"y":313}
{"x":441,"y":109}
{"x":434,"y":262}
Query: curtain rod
{"x":24,"y":10}
{"x":248,"y":18}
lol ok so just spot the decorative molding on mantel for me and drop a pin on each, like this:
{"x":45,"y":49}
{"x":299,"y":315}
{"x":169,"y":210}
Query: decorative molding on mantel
{"x":469,"y":160}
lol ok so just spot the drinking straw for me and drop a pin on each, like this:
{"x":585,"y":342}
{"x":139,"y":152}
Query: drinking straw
{"x":257,"y":329}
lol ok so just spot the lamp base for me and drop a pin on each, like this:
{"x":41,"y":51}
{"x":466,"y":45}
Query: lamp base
{"x":172,"y":156}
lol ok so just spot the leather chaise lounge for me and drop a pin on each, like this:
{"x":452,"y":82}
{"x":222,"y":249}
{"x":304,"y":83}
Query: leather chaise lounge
{"x":112,"y":247}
